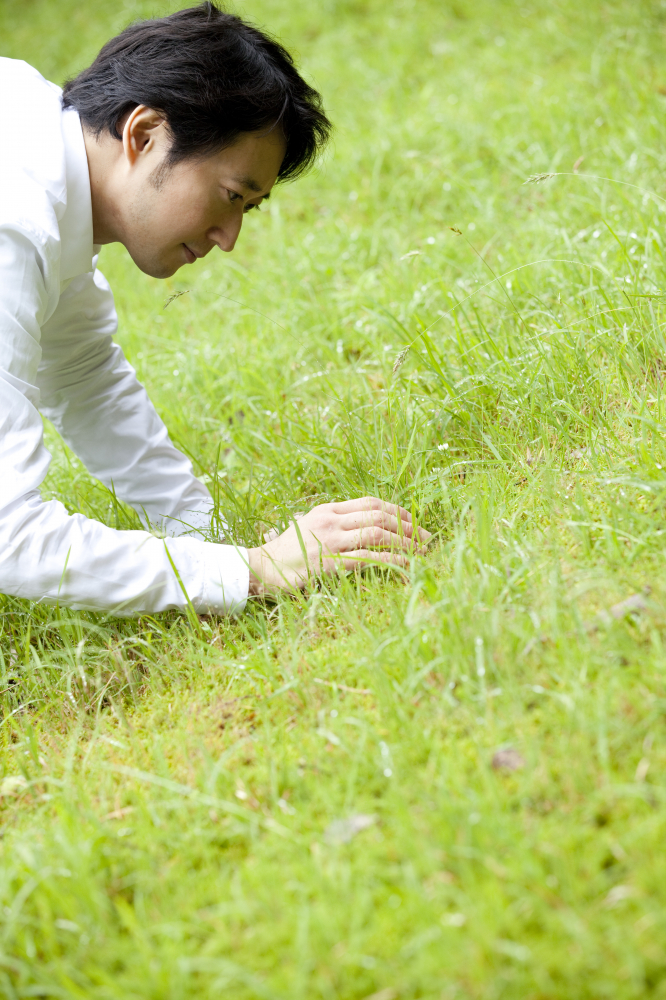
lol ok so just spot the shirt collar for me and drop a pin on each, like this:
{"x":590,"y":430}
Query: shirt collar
{"x":76,"y":229}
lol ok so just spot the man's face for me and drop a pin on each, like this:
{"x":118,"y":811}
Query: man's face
{"x":170,"y":217}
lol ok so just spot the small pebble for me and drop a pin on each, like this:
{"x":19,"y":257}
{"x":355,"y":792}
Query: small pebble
{"x":508,"y":760}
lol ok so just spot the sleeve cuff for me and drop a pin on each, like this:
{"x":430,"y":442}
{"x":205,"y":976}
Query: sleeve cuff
{"x":226,"y":579}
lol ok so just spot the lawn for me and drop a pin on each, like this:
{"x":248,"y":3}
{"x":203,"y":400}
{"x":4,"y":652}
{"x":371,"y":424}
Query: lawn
{"x":443,"y":783}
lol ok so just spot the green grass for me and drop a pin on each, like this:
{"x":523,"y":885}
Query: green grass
{"x":168,"y":785}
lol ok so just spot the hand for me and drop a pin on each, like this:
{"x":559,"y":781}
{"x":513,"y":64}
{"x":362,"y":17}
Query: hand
{"x":334,"y":538}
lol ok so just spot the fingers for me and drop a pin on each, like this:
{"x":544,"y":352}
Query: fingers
{"x":364,"y":558}
{"x":382,"y":519}
{"x":335,"y":537}
{"x":374,"y":508}
{"x":370,"y":503}
{"x":374,"y":537}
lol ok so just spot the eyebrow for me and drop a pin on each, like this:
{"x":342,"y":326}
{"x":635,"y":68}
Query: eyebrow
{"x":248,"y":182}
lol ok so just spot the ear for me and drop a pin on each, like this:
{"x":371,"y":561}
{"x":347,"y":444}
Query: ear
{"x":144,"y":132}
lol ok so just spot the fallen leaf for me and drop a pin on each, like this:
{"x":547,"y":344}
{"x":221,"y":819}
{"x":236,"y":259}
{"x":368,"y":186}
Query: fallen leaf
{"x":642,"y":769}
{"x":12,"y":785}
{"x":520,"y":952}
{"x":444,"y":877}
{"x":119,"y":813}
{"x":618,"y":894}
{"x":495,"y":867}
{"x":342,"y":687}
{"x":341,"y":831}
{"x":623,"y":608}
{"x":635,"y":602}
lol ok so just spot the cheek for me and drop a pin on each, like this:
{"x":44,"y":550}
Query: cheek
{"x":183,"y":217}
{"x":200,"y":215}
{"x":186,"y":212}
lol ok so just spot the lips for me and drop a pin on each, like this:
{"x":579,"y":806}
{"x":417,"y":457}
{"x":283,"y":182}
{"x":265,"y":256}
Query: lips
{"x":190,"y":256}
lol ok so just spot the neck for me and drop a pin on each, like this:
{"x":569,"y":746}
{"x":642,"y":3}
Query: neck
{"x":103,"y":155}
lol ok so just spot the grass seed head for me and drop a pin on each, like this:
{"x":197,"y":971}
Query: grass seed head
{"x":399,"y":360}
{"x":538,"y":178}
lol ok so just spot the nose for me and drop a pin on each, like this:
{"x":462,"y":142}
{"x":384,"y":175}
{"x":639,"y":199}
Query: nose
{"x":225,"y":236}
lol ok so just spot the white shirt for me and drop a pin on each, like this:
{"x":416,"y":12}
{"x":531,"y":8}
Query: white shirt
{"x":58,"y":358}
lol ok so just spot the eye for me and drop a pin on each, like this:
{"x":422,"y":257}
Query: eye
{"x":233,"y":195}
{"x":248,"y":208}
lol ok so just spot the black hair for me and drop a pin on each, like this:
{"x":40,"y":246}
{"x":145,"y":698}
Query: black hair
{"x":213,"y":76}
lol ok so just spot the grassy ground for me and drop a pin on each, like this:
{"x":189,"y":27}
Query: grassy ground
{"x":172,"y":790}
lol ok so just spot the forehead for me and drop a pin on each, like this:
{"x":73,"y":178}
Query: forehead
{"x":251,"y":163}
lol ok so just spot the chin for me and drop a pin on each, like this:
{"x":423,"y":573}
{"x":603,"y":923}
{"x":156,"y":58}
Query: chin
{"x":159,"y":270}
{"x":156,"y":268}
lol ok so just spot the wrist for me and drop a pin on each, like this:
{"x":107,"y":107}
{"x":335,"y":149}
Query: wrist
{"x":255,"y":586}
{"x":270,"y":574}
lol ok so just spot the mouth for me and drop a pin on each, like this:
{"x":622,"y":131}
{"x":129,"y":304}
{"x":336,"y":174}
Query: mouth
{"x":190,"y":255}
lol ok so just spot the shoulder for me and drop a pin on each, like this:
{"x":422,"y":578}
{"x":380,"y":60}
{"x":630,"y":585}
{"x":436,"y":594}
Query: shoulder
{"x":29,"y":104}
{"x":30,"y":118}
{"x":21,"y":80}
{"x":32,"y":151}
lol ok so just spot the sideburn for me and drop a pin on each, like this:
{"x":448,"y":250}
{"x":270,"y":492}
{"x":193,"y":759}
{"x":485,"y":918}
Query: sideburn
{"x":160,"y":173}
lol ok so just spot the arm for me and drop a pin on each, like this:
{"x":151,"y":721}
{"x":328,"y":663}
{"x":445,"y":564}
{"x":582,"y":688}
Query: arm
{"x":48,"y":555}
{"x":93,"y":397}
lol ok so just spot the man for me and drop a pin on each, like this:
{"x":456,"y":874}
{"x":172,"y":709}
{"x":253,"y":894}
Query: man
{"x":179,"y":127}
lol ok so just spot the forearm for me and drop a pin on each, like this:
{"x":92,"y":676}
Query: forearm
{"x":109,"y":421}
{"x":48,"y":555}
{"x":92,"y":395}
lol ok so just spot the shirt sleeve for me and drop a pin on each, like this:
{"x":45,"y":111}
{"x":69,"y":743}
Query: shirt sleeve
{"x":91,"y":394}
{"x":47,"y":554}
